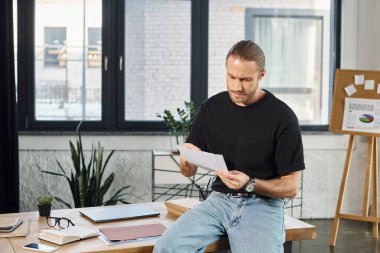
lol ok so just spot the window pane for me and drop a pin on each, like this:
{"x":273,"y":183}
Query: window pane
{"x":67,"y":59}
{"x":157,"y":57}
{"x":294,"y":58}
{"x":295,"y":37}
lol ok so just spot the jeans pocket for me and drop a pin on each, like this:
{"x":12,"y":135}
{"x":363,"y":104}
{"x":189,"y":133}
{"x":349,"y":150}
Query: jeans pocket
{"x":274,"y":202}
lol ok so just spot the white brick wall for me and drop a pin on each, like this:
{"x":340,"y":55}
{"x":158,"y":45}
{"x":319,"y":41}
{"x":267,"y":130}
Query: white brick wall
{"x":158,"y":77}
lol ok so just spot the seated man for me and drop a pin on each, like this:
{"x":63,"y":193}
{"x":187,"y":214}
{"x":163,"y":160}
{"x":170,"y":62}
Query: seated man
{"x":260,"y":140}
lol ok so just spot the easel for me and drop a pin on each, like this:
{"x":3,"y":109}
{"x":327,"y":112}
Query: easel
{"x":371,"y":171}
{"x":342,"y":79}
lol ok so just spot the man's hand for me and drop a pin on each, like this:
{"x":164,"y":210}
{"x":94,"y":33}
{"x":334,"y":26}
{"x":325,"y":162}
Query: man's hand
{"x":233,"y":179}
{"x":187,"y":169}
{"x":286,"y":186}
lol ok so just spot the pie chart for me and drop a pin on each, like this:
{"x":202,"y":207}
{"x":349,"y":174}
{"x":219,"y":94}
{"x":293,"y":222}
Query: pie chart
{"x":366,"y":118}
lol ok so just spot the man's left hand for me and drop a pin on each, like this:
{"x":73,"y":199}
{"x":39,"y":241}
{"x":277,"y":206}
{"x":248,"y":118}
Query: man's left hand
{"x":233,"y":179}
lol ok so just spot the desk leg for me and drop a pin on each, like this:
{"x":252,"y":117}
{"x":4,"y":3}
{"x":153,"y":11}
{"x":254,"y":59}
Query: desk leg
{"x":288,"y":247}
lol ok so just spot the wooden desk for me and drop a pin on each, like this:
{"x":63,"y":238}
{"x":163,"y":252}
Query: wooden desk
{"x":295,"y":230}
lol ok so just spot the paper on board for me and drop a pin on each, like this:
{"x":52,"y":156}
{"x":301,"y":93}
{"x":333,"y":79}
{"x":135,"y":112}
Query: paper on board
{"x":350,"y":90}
{"x":369,"y":84}
{"x":359,"y":79}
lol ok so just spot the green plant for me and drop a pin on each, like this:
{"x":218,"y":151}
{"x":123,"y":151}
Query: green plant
{"x":86,"y":180}
{"x":181,"y":126}
{"x":45,"y":200}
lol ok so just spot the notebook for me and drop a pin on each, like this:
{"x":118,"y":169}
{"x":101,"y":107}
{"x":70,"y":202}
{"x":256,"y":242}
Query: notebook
{"x":70,"y":234}
{"x":20,"y":229}
{"x":120,"y":212}
{"x":8,"y":224}
{"x":126,"y":233}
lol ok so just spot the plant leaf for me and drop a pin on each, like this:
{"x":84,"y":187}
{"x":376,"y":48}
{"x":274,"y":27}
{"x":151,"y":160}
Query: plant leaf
{"x":53,"y":173}
{"x":75,"y":157}
{"x":106,"y":185}
{"x":63,"y":202}
{"x":60,"y":166}
{"x":106,"y":162}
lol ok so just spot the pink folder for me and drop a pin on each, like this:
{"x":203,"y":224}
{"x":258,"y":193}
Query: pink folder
{"x":126,"y":233}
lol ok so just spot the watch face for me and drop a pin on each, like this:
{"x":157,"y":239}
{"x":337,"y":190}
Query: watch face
{"x":250,"y":187}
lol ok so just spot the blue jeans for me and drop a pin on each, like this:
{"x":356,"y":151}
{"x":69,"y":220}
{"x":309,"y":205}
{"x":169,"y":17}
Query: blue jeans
{"x":253,"y":225}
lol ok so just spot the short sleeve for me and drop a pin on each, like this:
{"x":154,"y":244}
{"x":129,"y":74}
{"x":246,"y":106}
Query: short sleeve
{"x":289,"y":150}
{"x":196,"y":135}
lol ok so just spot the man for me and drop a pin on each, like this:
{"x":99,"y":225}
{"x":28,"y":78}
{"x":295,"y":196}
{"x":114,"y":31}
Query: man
{"x":260,"y":140}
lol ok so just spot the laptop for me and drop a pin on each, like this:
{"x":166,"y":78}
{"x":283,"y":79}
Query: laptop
{"x":121,"y":212}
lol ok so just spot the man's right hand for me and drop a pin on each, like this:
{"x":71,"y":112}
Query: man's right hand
{"x":187,"y":169}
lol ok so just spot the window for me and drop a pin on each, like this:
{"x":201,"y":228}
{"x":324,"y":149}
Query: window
{"x":297,"y":41}
{"x":54,"y":47}
{"x":297,"y":46}
{"x":115,"y":64}
{"x":66,"y":86}
{"x":157,"y":57}
{"x":94,"y":52}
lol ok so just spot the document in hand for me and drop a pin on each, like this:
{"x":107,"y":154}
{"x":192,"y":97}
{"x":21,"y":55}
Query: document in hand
{"x":8,"y":224}
{"x":127,"y":233}
{"x":70,"y":234}
{"x":205,"y":160}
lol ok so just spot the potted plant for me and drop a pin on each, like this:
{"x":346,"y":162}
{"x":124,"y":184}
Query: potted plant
{"x":44,"y":205}
{"x":86,"y":180}
{"x":180,"y":125}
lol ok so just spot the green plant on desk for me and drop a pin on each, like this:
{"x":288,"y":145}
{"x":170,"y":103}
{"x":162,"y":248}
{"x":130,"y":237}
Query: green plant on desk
{"x":180,"y":126}
{"x":44,"y":205}
{"x":45,"y":200}
{"x":86,"y":180}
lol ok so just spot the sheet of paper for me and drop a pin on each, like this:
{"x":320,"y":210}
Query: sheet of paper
{"x":361,"y":115}
{"x":350,"y":89}
{"x":369,"y":84}
{"x":359,"y":79}
{"x":378,"y":88}
{"x":205,"y":160}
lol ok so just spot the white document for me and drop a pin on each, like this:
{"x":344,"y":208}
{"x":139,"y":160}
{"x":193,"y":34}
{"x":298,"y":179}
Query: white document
{"x":204,"y":160}
{"x":361,"y":115}
{"x":359,"y":79}
{"x":369,"y":84}
{"x":350,"y":89}
{"x":378,"y":88}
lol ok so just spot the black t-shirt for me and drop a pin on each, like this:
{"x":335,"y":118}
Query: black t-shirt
{"x":263,"y":140}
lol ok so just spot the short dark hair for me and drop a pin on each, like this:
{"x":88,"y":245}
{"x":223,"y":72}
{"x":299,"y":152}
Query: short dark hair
{"x":249,"y":51}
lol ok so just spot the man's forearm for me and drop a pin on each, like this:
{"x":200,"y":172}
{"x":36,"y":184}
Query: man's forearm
{"x":282,"y":187}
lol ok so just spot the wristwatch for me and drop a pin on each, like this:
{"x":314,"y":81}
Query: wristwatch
{"x":250,"y":186}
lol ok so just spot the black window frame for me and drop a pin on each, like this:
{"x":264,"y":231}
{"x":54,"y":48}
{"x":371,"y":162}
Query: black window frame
{"x":112,"y":47}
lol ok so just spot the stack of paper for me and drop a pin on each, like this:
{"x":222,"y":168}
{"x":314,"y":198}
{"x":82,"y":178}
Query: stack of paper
{"x":180,"y":206}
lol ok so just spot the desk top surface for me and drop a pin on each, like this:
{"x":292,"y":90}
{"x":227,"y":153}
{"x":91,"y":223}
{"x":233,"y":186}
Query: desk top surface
{"x":295,"y":230}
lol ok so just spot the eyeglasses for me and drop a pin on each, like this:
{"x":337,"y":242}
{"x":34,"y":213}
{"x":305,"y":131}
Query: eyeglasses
{"x":61,"y":222}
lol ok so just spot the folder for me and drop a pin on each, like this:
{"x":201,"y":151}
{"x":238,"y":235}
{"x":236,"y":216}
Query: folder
{"x":126,"y":233}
